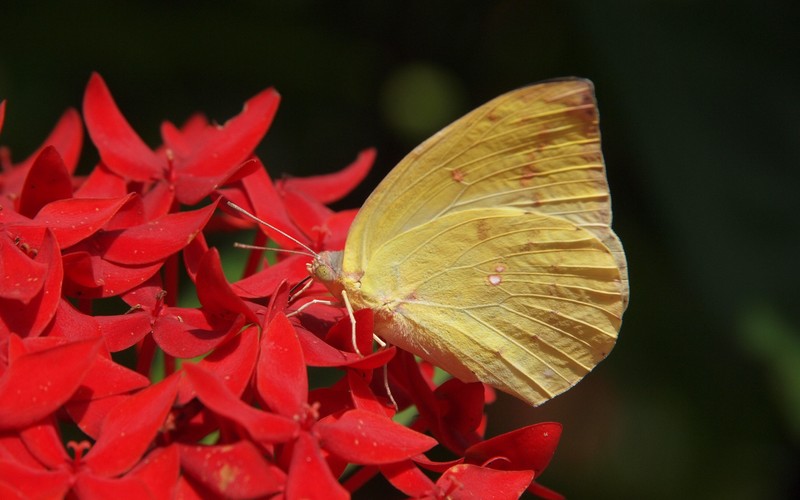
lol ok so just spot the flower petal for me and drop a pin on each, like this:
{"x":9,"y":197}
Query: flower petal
{"x":101,"y":182}
{"x":528,"y":448}
{"x":107,"y":378}
{"x":340,"y":335}
{"x":21,"y":277}
{"x":186,"y":333}
{"x":47,"y":180}
{"x":433,"y":466}
{"x":363,"y":397}
{"x":125,"y":330}
{"x":406,"y":477}
{"x":182,"y":141}
{"x":158,"y":200}
{"x":159,"y":471}
{"x":192,"y":188}
{"x":66,"y":138}
{"x":76,"y":219}
{"x":120,"y":148}
{"x":461,"y":409}
{"x":92,"y":487}
{"x":332,"y":187}
{"x":130,"y":427}
{"x":308,"y":462}
{"x":13,"y":447}
{"x":215,"y":292}
{"x":43,"y":441}
{"x":471,"y":481}
{"x":155,"y":240}
{"x":235,"y":470}
{"x":281,"y":378}
{"x":193,"y":255}
{"x":71,"y":324}
{"x":308,"y":214}
{"x":32,"y":483}
{"x":268,"y":206}
{"x":330,"y":400}
{"x":405,"y":372}
{"x":366,"y":438}
{"x":261,"y":426}
{"x":336,"y":228}
{"x":34,"y":317}
{"x":110,"y":279}
{"x":89,"y":415}
{"x":38,"y":383}
{"x":263,"y":283}
{"x":223,"y":149}
{"x":233,"y":361}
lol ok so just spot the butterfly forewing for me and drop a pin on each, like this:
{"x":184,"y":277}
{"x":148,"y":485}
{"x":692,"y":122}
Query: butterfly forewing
{"x":536,"y":147}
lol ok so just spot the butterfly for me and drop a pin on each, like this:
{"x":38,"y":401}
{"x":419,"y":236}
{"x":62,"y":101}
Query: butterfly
{"x":488,"y":249}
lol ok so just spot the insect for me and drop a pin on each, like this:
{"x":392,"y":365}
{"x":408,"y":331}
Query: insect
{"x":488,"y":249}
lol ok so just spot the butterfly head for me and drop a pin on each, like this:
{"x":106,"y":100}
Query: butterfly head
{"x":327,"y":268}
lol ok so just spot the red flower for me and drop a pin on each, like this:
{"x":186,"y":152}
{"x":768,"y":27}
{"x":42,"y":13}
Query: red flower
{"x":195,"y":159}
{"x":217,"y":394}
{"x":66,"y":139}
{"x":125,"y":436}
{"x":355,"y":435}
{"x":35,"y":383}
{"x":30,"y":291}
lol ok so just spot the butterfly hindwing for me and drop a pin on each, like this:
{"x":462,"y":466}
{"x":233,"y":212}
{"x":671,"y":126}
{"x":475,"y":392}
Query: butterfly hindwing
{"x":526,"y":302}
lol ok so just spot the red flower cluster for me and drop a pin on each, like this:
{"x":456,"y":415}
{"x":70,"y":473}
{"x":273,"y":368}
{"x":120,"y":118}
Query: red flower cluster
{"x":195,"y":402}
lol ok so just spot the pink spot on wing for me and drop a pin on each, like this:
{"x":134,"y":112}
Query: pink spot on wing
{"x":528,"y":173}
{"x":457,"y":175}
{"x":494,"y":279}
{"x":500,"y":268}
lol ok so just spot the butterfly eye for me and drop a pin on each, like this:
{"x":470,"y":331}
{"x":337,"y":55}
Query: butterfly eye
{"x":322,"y":271}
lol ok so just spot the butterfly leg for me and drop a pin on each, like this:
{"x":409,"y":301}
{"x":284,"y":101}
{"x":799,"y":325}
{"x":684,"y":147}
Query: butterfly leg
{"x":349,"y":308}
{"x":303,"y":286}
{"x":310,"y":303}
{"x":377,"y":339}
{"x":388,"y":389}
{"x":350,"y":313}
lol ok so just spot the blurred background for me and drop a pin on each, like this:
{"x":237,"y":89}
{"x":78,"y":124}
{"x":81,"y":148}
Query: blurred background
{"x":700,"y":106}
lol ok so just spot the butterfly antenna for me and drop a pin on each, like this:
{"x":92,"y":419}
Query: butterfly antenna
{"x":311,"y":253}
{"x":245,"y":246}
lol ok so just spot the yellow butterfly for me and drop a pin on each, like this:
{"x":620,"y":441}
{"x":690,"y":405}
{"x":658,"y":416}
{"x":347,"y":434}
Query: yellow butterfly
{"x":488,"y":250}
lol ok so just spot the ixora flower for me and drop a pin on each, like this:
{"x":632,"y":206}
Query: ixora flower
{"x":111,"y":387}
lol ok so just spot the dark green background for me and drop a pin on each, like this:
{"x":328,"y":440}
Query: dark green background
{"x":700,"y":104}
